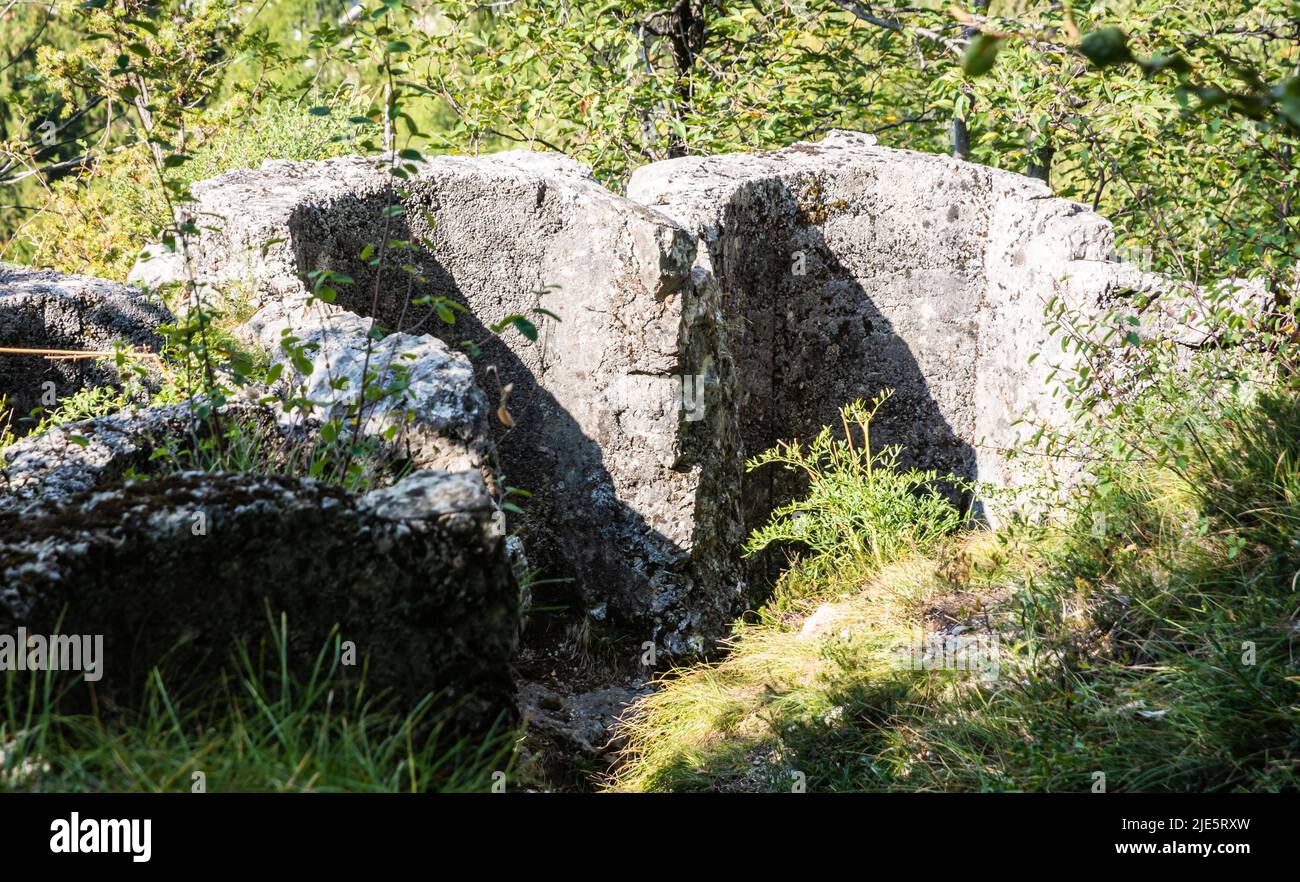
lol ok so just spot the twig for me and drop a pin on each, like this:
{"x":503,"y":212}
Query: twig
{"x":73,"y":354}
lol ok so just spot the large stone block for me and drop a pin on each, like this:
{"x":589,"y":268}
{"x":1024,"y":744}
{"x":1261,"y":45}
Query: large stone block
{"x":622,"y":415}
{"x":847,"y":268}
{"x":172,"y":571}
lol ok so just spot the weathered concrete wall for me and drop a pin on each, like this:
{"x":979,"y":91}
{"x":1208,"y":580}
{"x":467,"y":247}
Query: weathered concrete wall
{"x":1047,"y":252}
{"x":634,"y":495}
{"x":847,"y":268}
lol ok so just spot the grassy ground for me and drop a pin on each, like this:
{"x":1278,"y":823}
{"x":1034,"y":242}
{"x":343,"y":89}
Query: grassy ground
{"x":258,"y":730}
{"x":1148,"y":641}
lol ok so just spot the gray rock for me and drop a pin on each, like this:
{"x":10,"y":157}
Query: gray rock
{"x":586,"y":719}
{"x":431,"y":494}
{"x":1042,"y":251}
{"x":568,"y":733}
{"x":40,"y":309}
{"x":172,"y":571}
{"x":83,"y":455}
{"x":633,"y":491}
{"x":847,"y":268}
{"x":157,"y":266}
{"x":436,"y":415}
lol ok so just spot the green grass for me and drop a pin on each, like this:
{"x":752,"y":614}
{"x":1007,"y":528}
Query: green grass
{"x":1125,"y":631}
{"x":259,"y":729}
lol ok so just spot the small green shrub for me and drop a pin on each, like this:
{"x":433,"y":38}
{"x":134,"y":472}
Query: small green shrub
{"x":859,"y":503}
{"x":89,"y":403}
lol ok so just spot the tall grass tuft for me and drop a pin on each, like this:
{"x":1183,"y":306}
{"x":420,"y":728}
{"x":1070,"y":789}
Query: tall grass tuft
{"x":258,"y":729}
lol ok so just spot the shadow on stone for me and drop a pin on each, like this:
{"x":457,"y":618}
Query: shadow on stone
{"x":174,"y":572}
{"x":812,"y":338}
{"x":637,"y":586}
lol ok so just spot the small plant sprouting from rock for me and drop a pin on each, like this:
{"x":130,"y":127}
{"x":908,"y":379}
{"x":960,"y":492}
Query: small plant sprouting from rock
{"x":859,"y":504}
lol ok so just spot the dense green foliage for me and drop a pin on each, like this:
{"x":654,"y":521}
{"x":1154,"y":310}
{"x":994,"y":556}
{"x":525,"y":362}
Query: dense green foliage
{"x":1191,"y":159}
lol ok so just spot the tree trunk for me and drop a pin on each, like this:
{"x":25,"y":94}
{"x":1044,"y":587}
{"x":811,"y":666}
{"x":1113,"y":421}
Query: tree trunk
{"x":1040,"y":162}
{"x":959,"y":132}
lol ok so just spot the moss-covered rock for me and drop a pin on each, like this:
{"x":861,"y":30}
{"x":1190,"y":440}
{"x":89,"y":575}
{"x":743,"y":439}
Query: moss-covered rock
{"x":173,"y":571}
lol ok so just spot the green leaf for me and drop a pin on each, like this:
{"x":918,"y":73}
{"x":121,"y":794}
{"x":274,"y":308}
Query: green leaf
{"x":1105,"y":47}
{"x":527,"y":328}
{"x":980,"y":54}
{"x":522,"y":324}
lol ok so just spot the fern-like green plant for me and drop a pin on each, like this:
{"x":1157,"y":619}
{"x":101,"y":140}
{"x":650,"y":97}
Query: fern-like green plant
{"x":7,"y":435}
{"x":860,"y":504}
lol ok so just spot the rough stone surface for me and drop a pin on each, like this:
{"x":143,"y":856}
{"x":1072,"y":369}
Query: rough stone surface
{"x":436,"y":413}
{"x":40,"y":309}
{"x":75,"y":457}
{"x":847,"y":268}
{"x":633,"y":492}
{"x":414,"y":575}
{"x":574,"y":725}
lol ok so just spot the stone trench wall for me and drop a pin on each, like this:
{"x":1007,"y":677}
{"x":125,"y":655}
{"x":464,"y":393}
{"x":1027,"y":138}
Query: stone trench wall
{"x":633,"y":497}
{"x":850,"y":268}
{"x":729,"y":302}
